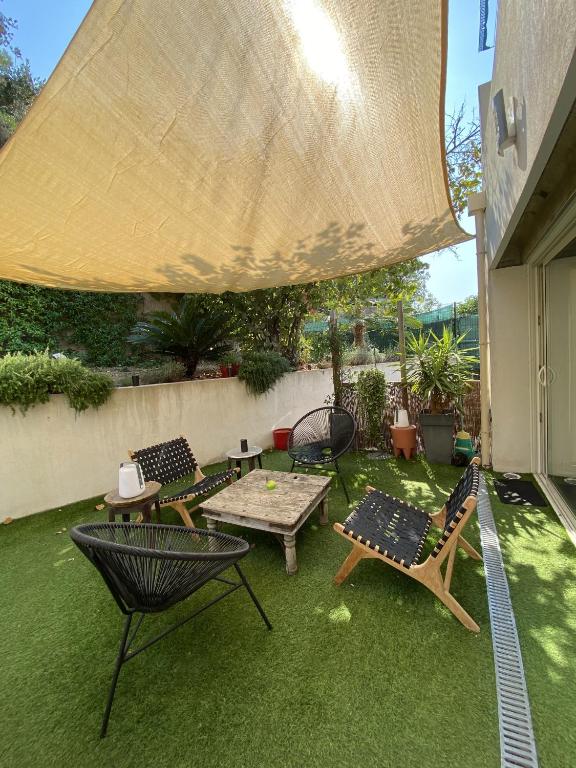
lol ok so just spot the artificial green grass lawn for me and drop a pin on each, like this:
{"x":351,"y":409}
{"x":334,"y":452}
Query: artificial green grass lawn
{"x":373,"y":673}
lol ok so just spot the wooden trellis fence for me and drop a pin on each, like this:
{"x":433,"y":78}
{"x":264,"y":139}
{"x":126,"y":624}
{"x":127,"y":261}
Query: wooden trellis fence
{"x":470,"y":420}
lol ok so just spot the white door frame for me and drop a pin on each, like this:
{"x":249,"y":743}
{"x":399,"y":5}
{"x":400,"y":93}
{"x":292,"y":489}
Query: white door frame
{"x":560,"y":233}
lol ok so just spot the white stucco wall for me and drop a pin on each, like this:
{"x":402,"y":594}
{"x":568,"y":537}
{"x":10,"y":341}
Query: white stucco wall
{"x":52,"y":456}
{"x":511,"y":373}
{"x":534,"y":62}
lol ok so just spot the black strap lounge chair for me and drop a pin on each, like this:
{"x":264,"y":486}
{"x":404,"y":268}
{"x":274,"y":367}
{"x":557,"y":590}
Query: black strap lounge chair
{"x":149,"y":568}
{"x":171,"y":461}
{"x":322,"y":437}
{"x":394,"y":531}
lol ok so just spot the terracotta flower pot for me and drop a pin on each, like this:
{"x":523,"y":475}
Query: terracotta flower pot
{"x":404,"y":441}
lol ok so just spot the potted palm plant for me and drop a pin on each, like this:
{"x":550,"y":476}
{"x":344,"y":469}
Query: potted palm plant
{"x":440,"y":372}
{"x":195,"y":330}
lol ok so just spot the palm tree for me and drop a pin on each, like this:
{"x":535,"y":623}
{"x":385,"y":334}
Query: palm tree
{"x":194,"y":331}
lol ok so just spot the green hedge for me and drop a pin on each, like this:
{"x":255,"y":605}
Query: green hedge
{"x":26,"y":380}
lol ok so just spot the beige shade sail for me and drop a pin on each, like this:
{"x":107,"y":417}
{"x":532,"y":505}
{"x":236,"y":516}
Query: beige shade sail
{"x":212,"y":145}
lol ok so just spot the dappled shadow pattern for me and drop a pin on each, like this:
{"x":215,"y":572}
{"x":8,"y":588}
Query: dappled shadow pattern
{"x":335,"y":249}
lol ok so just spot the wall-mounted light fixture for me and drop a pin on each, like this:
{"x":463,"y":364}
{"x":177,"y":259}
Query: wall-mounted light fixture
{"x":505,"y":120}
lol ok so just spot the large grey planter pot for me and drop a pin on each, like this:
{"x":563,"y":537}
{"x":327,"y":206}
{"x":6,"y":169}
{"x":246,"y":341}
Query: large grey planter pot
{"x":438,"y":434}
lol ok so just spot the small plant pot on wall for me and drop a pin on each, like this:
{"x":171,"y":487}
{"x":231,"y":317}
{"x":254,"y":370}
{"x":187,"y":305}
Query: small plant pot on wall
{"x":438,"y":435}
{"x":229,"y":370}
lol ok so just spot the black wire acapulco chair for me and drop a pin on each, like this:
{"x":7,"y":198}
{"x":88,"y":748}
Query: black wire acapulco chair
{"x":321,"y":437}
{"x":149,"y":568}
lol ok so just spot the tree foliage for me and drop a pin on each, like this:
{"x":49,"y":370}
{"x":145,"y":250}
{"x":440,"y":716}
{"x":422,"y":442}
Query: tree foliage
{"x":468,"y":307}
{"x":273,"y":318}
{"x":18,"y":87}
{"x":463,"y":157}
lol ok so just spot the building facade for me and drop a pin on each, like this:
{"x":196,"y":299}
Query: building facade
{"x":530,"y":237}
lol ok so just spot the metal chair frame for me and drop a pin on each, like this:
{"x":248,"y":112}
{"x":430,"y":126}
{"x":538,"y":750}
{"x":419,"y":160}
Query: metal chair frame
{"x":331,"y":410}
{"x":91,"y":547}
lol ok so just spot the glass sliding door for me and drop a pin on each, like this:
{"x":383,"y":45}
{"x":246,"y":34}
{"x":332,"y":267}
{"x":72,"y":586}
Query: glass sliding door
{"x":558,"y":376}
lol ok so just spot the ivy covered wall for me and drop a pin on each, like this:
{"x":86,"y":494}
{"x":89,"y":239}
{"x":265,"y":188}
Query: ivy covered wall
{"x":93,"y":325}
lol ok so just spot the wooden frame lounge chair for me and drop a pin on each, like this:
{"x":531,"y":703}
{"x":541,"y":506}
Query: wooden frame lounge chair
{"x":173,"y":460}
{"x":394,"y":531}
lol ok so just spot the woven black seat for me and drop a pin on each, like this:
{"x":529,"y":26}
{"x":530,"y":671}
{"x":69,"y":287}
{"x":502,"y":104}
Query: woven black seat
{"x":199,"y":489}
{"x":150,"y":568}
{"x":321,"y":437}
{"x":394,"y":531}
{"x":388,"y":525}
{"x":171,"y":461}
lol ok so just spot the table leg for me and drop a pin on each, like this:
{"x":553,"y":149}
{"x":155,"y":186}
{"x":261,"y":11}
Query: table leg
{"x":324,"y":511}
{"x":157,"y":508}
{"x":229,"y":463}
{"x":125,"y":517}
{"x":239,"y":465}
{"x":212,"y":527}
{"x":147,"y":512}
{"x":290,"y":551}
{"x":110,"y":515}
{"x":251,"y":464}
{"x":260,"y":460}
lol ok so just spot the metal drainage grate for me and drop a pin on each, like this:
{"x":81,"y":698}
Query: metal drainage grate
{"x":517,"y":745}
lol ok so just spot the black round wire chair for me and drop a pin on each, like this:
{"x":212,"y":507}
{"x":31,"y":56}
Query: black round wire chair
{"x":321,"y":437}
{"x":150,"y":568}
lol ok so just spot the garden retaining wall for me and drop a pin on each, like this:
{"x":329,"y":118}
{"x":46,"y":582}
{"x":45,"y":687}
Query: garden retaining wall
{"x":52,"y":456}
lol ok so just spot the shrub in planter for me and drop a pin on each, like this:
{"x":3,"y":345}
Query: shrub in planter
{"x":371,"y":392}
{"x":26,"y":380}
{"x":261,"y":370}
{"x":440,"y":372}
{"x":230,"y":364}
{"x":365,"y":355}
{"x":168,"y":372}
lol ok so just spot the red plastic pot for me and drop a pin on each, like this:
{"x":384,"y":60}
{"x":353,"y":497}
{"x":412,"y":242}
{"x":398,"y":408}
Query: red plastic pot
{"x":280,"y":437}
{"x":229,"y":370}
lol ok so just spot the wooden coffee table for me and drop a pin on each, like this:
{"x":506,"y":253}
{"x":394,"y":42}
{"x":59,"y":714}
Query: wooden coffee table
{"x":282,"y":511}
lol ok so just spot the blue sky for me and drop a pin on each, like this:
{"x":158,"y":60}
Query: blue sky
{"x":45,"y":29}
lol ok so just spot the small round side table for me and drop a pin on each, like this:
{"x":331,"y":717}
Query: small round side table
{"x":253,"y":452}
{"x":143,"y":503}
